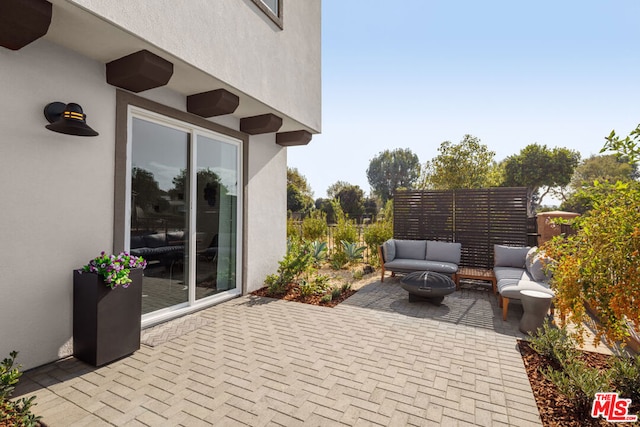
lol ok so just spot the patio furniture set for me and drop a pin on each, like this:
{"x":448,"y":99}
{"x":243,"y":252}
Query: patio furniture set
{"x":431,"y":271}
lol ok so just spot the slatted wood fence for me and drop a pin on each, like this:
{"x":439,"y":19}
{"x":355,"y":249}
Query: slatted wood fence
{"x":477,"y":219}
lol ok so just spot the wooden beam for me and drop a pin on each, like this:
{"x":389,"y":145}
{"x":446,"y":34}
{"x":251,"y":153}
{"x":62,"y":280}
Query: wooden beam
{"x":265,"y":123}
{"x":139,"y":71}
{"x":293,"y":138}
{"x":213,"y":103}
{"x":23,"y":21}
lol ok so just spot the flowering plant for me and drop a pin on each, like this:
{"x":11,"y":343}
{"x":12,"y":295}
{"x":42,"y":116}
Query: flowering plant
{"x":115,"y":269}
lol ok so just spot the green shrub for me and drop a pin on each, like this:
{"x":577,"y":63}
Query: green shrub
{"x":275,"y":284}
{"x":358,"y":274}
{"x":346,"y":287}
{"x":294,"y":233}
{"x":321,"y":281}
{"x":554,"y":343}
{"x":326,"y":298}
{"x":17,"y":412}
{"x":297,"y":260}
{"x":338,"y":260}
{"x":599,"y":265}
{"x":579,"y":383}
{"x":309,"y":288}
{"x":295,"y":263}
{"x":336,"y":292}
{"x":625,"y":377}
{"x":375,"y":235}
{"x":353,"y":252}
{"x":345,"y":228}
{"x":314,"y":227}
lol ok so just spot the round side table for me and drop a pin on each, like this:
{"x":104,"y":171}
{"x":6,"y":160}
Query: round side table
{"x":535,"y":305}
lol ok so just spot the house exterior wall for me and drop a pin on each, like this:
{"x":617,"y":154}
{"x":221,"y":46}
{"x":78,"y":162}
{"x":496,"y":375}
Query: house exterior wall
{"x":266,"y":234}
{"x":234,"y":41}
{"x":57,"y":195}
{"x":58,"y":190}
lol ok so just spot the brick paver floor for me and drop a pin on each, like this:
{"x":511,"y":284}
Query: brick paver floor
{"x":375,"y":359}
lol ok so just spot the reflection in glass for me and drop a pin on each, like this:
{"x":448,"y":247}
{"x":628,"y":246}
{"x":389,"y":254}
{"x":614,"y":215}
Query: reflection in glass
{"x":216,"y":216}
{"x":159,"y":219}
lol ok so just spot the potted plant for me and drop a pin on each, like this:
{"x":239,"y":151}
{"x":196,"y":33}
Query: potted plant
{"x":107,"y":308}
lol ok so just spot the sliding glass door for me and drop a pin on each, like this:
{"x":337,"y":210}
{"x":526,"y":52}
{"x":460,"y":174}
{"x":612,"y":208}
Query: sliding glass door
{"x":185,"y":185}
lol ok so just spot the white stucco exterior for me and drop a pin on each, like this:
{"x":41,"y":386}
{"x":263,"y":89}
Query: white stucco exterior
{"x":58,"y":190}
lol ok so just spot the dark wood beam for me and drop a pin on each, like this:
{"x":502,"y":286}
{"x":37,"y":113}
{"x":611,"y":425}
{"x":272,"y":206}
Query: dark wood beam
{"x":265,"y":123}
{"x":23,"y":21}
{"x":213,"y":103}
{"x":296,"y":137}
{"x":139,"y":71}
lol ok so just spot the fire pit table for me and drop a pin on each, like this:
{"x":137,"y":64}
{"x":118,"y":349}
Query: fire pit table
{"x":427,"y":286}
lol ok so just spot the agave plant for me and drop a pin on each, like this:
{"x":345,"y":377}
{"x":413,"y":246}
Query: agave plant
{"x":319,"y":252}
{"x":353,"y":252}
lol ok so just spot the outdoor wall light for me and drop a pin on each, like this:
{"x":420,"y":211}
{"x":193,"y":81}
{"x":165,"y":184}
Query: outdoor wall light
{"x":67,"y":118}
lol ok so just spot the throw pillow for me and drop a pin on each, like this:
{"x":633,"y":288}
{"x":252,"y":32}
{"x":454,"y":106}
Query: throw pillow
{"x":510,"y":256}
{"x":538,"y":265}
{"x":443,"y":251}
{"x":389,"y":250}
{"x":411,"y":249}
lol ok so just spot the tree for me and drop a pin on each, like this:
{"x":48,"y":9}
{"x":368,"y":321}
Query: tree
{"x":464,"y":165}
{"x":351,"y":199}
{"x":495,"y":176}
{"x":602,"y":168}
{"x":335,"y":188}
{"x":326,"y":207}
{"x":145,"y":189}
{"x":295,"y":178}
{"x":540,"y":170}
{"x":370,"y":207}
{"x":592,"y":178}
{"x":297,"y":201}
{"x":299,"y":194}
{"x":627,"y":147}
{"x":391,"y":170}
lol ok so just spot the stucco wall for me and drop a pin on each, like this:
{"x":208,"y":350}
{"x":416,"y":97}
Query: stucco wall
{"x":234,"y":41}
{"x":267,"y":209}
{"x":57,"y":195}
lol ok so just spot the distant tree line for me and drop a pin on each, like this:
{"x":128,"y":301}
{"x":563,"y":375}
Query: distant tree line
{"x":544,"y":171}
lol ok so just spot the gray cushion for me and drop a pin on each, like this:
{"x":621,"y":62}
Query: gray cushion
{"x":513,"y":291}
{"x":510,"y":256}
{"x":443,"y":251}
{"x":409,"y":265}
{"x":505,"y":273}
{"x":538,"y":265}
{"x":389,"y":250}
{"x":411,"y":249}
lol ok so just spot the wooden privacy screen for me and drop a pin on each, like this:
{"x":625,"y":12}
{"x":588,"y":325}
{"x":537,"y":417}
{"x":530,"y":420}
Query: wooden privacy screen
{"x":477,"y":219}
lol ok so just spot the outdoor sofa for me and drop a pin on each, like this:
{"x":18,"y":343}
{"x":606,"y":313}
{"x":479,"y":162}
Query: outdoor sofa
{"x":519,"y":268}
{"x":406,"y":256}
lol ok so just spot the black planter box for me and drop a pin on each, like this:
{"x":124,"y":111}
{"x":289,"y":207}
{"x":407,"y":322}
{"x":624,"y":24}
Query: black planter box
{"x":106,"y":322}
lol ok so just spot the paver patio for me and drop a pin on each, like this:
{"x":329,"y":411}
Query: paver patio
{"x":375,"y":359}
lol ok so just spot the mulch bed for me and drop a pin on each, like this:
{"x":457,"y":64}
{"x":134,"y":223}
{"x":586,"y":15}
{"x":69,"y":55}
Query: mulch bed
{"x":293,"y":294}
{"x":555,"y":409}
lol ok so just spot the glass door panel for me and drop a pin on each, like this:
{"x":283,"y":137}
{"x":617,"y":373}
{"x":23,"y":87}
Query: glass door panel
{"x":159,"y":211}
{"x":217,"y":179}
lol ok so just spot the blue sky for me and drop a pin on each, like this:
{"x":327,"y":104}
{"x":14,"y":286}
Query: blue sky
{"x":415,"y":73}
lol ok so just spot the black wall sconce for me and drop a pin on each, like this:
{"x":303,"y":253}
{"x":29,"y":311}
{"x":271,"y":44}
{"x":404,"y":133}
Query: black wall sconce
{"x":67,"y":118}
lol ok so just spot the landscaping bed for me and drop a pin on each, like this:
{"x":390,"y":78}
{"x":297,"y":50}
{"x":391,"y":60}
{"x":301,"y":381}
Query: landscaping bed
{"x":555,"y":408}
{"x":293,"y":294}
{"x":346,"y":280}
